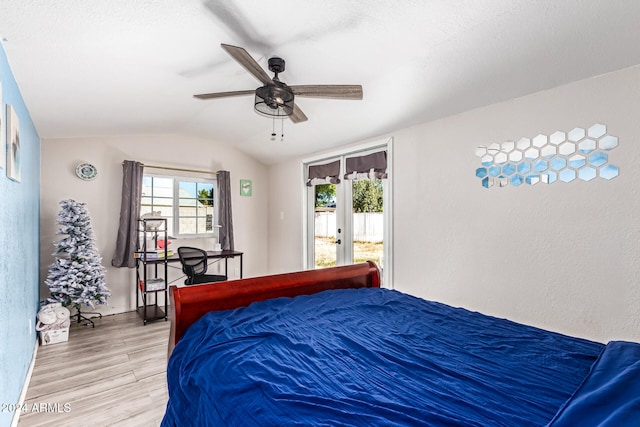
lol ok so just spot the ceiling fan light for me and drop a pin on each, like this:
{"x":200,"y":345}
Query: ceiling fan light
{"x":274,"y":101}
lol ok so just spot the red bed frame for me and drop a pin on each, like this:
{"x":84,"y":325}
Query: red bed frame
{"x":190,"y":303}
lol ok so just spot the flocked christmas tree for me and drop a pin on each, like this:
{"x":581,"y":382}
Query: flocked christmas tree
{"x":77,"y":277}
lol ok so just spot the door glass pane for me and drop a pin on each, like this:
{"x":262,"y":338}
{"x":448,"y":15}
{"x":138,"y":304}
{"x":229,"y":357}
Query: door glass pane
{"x":325,"y":226}
{"x":367,"y":221}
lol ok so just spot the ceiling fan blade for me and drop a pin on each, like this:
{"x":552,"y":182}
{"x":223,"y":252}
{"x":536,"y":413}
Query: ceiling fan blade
{"x":328,"y":91}
{"x":249,"y":64}
{"x":297,"y":116}
{"x":224,"y":94}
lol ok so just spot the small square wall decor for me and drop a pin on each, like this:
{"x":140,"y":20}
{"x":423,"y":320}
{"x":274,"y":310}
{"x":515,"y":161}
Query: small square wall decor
{"x":13,"y":144}
{"x":2,"y":131}
{"x":245,"y":187}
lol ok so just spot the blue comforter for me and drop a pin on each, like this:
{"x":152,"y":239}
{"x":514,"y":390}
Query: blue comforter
{"x":370,"y":357}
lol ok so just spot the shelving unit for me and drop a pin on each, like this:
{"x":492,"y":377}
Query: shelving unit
{"x":151,"y":269}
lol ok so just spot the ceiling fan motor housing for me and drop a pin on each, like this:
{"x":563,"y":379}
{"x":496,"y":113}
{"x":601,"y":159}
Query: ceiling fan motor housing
{"x":274,"y":100}
{"x":276,"y":65}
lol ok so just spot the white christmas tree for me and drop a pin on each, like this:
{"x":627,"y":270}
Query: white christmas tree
{"x":77,"y":276}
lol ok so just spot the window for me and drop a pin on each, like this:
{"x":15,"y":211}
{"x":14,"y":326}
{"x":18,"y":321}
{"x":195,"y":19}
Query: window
{"x":188,"y":204}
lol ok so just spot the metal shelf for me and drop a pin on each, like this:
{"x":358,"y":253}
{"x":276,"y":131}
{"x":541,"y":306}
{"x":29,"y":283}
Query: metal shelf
{"x":147,"y":282}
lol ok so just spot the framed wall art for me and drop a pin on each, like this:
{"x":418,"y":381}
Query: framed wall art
{"x":245,"y":187}
{"x":3,"y":132}
{"x":13,"y":144}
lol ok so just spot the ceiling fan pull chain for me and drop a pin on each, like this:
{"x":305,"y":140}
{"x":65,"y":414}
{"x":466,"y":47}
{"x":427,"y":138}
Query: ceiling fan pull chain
{"x":273,"y":130}
{"x":282,"y":130}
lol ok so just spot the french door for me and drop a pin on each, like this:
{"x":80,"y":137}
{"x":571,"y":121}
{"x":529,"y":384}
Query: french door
{"x":348,"y":214}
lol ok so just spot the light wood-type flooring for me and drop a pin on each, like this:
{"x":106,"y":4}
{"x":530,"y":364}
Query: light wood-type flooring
{"x":111,"y":375}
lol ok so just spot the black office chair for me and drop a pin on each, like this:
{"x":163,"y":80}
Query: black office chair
{"x":194,"y":265}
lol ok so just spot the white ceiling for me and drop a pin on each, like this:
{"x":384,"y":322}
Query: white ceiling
{"x":119,"y":67}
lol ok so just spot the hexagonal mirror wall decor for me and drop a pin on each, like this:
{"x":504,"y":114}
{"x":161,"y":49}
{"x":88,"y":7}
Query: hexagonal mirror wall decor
{"x":578,"y":154}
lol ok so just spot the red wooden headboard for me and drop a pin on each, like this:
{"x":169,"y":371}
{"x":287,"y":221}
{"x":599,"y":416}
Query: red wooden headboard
{"x":190,"y":303}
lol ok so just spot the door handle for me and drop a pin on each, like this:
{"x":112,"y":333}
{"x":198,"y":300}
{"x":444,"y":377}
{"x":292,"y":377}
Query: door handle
{"x":338,"y":242}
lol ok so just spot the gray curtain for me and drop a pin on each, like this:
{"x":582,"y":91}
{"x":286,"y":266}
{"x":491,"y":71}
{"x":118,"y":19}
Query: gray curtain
{"x":127,"y":240}
{"x":225,"y":235}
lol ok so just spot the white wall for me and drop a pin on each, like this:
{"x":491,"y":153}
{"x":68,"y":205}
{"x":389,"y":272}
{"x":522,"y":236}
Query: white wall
{"x":102,"y":196}
{"x":286,"y":214}
{"x":563,"y":256}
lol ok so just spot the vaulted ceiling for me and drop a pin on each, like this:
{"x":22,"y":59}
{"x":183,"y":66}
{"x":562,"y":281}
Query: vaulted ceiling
{"x":120,"y":67}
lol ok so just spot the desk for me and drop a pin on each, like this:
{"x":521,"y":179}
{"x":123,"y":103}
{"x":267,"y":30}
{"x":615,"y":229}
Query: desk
{"x":150,"y":310}
{"x":212,"y":254}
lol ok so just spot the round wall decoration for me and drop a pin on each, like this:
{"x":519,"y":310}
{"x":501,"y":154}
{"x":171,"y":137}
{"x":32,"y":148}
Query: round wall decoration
{"x":86,"y":171}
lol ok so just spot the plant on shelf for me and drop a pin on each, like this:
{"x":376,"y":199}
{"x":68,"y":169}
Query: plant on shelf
{"x":77,"y":277}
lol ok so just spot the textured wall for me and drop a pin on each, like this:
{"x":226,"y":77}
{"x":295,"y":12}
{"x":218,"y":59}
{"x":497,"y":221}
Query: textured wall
{"x":19,"y":250}
{"x":103,"y":194}
{"x":562,"y":256}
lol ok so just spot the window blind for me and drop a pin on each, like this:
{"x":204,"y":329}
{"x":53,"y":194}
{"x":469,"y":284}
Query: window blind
{"x":324,"y":174}
{"x":369,"y":166}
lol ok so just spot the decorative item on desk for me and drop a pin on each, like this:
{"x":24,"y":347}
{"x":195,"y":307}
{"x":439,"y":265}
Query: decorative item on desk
{"x":217,"y":247}
{"x":151,"y":255}
{"x":161,"y":243}
{"x":150,"y":224}
{"x":155,"y":284}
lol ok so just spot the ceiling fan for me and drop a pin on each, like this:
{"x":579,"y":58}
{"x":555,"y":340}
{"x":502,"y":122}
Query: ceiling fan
{"x":275,"y":98}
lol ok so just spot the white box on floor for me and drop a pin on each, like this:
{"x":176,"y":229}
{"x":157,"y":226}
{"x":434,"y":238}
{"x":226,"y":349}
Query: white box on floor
{"x":53,"y":323}
{"x":54,"y":336}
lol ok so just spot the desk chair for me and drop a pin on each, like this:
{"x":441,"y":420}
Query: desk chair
{"x":194,"y":265}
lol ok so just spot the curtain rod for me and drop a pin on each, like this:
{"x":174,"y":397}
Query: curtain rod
{"x":177,"y":169}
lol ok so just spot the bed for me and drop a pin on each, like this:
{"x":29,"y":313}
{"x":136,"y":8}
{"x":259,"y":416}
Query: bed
{"x":331,"y":348}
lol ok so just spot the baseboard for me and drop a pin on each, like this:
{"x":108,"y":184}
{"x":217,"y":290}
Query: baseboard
{"x":25,"y":386}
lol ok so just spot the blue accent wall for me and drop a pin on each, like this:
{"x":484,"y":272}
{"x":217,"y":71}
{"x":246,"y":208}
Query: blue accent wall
{"x":19,"y":248}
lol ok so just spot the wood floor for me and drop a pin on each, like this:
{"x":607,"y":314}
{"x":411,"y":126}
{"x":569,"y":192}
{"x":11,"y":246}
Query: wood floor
{"x":111,"y":375}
